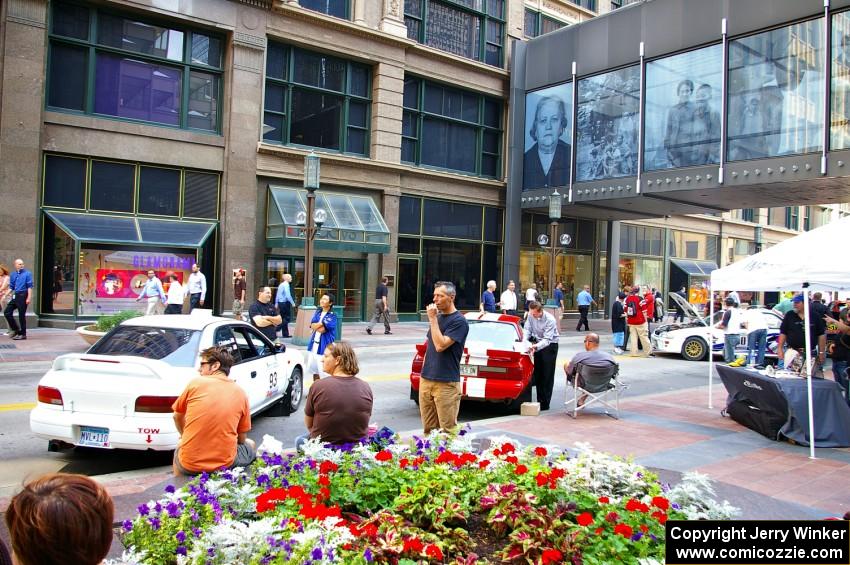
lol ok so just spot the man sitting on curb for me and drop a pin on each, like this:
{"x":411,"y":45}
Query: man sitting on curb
{"x":213,"y":419}
{"x":592,"y":356}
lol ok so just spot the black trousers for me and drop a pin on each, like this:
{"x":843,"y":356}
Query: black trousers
{"x":174,"y":309}
{"x":582,"y":320}
{"x":19,"y":302}
{"x":544,"y":373}
{"x":285,"y":309}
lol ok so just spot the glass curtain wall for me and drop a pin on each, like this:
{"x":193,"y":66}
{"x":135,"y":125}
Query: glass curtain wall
{"x":840,"y":99}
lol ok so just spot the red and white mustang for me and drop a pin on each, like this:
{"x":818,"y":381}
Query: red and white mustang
{"x":495,"y":366}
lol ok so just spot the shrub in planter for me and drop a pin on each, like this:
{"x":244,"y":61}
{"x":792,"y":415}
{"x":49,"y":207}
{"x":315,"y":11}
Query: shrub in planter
{"x":430,"y":500}
{"x":107,"y":322}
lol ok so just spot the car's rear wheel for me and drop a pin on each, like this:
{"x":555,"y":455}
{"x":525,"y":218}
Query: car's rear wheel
{"x":695,"y":349}
{"x":295,"y":392}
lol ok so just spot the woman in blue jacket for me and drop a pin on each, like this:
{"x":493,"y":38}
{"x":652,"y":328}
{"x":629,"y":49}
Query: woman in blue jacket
{"x":323,"y":325}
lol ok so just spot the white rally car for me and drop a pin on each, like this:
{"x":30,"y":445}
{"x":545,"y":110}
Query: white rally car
{"x":119,"y":393}
{"x":690,"y":338}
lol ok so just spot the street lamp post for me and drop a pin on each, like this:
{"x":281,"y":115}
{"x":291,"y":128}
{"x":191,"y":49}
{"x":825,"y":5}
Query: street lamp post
{"x":551,"y":240}
{"x":312,"y":220}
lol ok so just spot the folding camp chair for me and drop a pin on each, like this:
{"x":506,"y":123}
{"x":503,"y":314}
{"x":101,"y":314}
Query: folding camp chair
{"x":598,"y":383}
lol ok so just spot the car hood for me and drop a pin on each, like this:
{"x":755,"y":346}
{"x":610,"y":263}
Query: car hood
{"x":686,"y":306}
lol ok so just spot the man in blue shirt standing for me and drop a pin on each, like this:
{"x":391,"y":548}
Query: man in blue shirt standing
{"x":154,"y":294}
{"x":285,"y":302}
{"x":584,"y":300}
{"x":20,"y":287}
{"x":488,"y":298}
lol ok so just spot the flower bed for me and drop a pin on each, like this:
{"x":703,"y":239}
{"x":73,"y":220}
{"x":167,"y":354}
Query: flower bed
{"x":432,"y":500}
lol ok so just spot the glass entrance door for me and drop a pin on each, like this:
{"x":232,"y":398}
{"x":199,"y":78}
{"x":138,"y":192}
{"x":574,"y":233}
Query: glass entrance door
{"x":407,"y":283}
{"x":352,"y":291}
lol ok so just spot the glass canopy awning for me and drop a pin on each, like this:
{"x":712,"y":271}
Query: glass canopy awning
{"x":126,"y":229}
{"x":354,"y":222}
{"x":695,"y":267}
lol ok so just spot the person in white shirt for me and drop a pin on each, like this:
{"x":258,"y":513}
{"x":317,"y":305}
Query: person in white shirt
{"x":508,"y":300}
{"x":756,"y":335}
{"x":731,"y":326}
{"x":174,"y":304}
{"x":196,"y":287}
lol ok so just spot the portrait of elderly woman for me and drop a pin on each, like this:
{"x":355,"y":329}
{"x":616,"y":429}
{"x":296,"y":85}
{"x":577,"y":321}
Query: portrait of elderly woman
{"x":547,"y":162}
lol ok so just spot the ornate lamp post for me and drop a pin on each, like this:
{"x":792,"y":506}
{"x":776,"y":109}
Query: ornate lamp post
{"x":312,"y":221}
{"x":550,"y":242}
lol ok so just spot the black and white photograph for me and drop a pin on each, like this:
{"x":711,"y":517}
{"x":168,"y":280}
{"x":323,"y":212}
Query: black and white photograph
{"x":607,"y":125}
{"x":683,"y":110}
{"x":548,"y":143}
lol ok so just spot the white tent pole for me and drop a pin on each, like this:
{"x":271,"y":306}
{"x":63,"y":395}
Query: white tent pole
{"x":710,"y":345}
{"x":807,"y":360}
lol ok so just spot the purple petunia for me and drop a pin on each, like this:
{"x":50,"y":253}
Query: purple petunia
{"x":316,"y":554}
{"x":143,"y":510}
{"x":180,"y":536}
{"x":173,"y":510}
{"x":367,"y":555}
{"x":127,"y":525}
{"x":170,"y":489}
{"x":154,"y":522}
{"x":197,"y":532}
{"x":181,"y":550}
{"x":636,"y":536}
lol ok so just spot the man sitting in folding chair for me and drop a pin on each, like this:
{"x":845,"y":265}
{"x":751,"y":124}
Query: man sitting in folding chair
{"x":593,"y":374}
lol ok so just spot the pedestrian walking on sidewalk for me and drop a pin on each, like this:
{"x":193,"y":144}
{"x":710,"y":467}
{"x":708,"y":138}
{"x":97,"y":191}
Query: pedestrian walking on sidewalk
{"x":508,"y":300}
{"x":239,"y":287}
{"x":584,"y":301}
{"x":285,"y":302}
{"x":154,"y":294}
{"x":637,"y":323}
{"x":439,"y":385}
{"x":20,"y":287}
{"x":618,"y":323}
{"x":541,"y":330}
{"x":382,"y":307}
{"x":5,"y":290}
{"x":488,"y":298}
{"x":196,"y":288}
{"x":174,"y":303}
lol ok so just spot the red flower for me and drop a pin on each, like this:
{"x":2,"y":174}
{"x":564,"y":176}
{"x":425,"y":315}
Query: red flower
{"x":558,"y":473}
{"x":496,"y":452}
{"x":660,"y":516}
{"x":521,"y":470}
{"x":483,"y":463}
{"x":384,"y":455}
{"x":624,"y":530}
{"x":468,"y":458}
{"x":604,"y":500}
{"x":269,"y":499}
{"x":403,"y":463}
{"x":612,"y":517}
{"x":327,"y":467}
{"x":512,"y":459}
{"x":324,"y":493}
{"x":598,"y":531}
{"x":644,"y":528}
{"x":584,"y":519}
{"x":660,"y":502}
{"x":446,"y":457}
{"x":542,"y":479}
{"x":551,"y":556}
{"x":418,"y":461}
{"x":413,"y":544}
{"x":324,"y":480}
{"x":635,"y":505}
{"x":540,"y":451}
{"x":507,"y":448}
{"x":434,"y":552}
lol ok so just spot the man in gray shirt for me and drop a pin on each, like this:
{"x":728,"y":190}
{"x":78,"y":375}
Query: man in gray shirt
{"x":542,"y":331}
{"x":592,"y":356}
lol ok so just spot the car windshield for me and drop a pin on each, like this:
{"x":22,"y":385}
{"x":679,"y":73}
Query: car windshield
{"x":497,"y":335}
{"x":177,"y":347}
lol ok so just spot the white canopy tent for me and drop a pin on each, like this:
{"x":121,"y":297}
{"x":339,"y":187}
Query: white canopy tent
{"x":797,"y":264}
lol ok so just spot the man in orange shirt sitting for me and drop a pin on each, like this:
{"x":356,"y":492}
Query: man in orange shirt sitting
{"x":213,"y":418}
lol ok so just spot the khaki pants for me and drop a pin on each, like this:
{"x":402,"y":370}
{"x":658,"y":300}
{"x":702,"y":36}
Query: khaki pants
{"x":639,"y":332}
{"x":153,"y":306}
{"x":439,"y":403}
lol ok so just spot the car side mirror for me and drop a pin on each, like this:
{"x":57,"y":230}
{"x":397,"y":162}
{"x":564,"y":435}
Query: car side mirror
{"x":281,"y":347}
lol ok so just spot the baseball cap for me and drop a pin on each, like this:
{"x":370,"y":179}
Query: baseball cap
{"x":797,"y":298}
{"x":730,"y":300}
{"x":635,"y":288}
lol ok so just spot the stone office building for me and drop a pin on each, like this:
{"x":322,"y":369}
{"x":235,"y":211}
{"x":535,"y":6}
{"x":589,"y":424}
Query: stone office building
{"x":145,"y":134}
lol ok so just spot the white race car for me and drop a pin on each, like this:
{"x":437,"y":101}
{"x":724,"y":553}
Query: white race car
{"x":118,"y":395}
{"x":690,"y":338}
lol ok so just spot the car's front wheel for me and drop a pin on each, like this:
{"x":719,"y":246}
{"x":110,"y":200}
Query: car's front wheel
{"x":695,"y":349}
{"x":295,"y":392}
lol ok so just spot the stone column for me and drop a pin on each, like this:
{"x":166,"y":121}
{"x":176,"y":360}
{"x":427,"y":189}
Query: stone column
{"x":22,"y":52}
{"x":243,"y":218}
{"x":387,"y":97}
{"x":360,"y":12}
{"x":393,"y":19}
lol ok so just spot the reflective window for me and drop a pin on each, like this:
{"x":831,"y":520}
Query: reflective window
{"x":682,"y":108}
{"x":409,"y":215}
{"x":840,"y":99}
{"x":548,"y":137}
{"x":453,"y":261}
{"x":64,"y":182}
{"x":337,"y":8}
{"x":607,"y":125}
{"x":691,"y":245}
{"x":133,"y":69}
{"x":59,"y":262}
{"x":493,"y":224}
{"x":536,"y":23}
{"x":177,"y":347}
{"x":159,"y":191}
{"x":776,"y":92}
{"x":326,"y":104}
{"x":112,"y":186}
{"x":470,"y":28}
{"x":640,"y":239}
{"x":445,"y":127}
{"x":452,"y":219}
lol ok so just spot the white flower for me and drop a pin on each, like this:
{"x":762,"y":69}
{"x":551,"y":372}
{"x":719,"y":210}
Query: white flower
{"x":695,"y":495}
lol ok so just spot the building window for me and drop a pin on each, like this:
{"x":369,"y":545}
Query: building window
{"x":683,"y":96}
{"x":840,"y":98}
{"x":538,"y":23}
{"x":690,"y":245}
{"x":336,"y":8}
{"x":316,"y":100}
{"x":132,"y":69}
{"x":775,"y":108}
{"x":78,"y":183}
{"x":470,"y":28}
{"x":586,"y":4}
{"x":792,"y":218}
{"x":449,"y":128}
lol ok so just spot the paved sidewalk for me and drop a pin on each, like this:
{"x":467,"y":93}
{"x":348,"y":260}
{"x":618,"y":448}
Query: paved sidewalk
{"x":671,"y":432}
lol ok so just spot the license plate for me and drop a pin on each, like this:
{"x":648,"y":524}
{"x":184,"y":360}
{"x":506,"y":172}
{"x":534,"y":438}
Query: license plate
{"x":469,"y":370}
{"x":94,"y":437}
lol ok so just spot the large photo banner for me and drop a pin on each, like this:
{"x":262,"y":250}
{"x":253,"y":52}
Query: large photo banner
{"x":548,"y":143}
